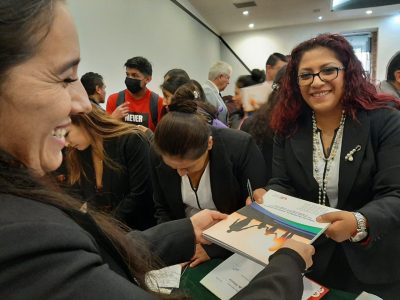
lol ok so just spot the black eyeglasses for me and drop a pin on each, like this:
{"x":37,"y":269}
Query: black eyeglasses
{"x":326,"y":74}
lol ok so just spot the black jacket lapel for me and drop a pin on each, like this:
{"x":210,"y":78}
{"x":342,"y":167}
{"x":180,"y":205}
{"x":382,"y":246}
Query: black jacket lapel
{"x":302,"y":146}
{"x":221,"y":177}
{"x":355,"y":134}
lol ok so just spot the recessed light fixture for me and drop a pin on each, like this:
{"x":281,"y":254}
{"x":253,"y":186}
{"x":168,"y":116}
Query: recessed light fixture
{"x":320,"y":18}
{"x":251,"y":25}
{"x":368,"y":12}
{"x":246,"y":12}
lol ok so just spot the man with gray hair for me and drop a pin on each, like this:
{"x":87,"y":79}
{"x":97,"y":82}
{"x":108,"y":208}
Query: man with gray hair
{"x":218,"y":79}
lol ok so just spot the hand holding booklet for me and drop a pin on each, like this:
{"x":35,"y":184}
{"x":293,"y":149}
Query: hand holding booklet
{"x":258,"y":230}
{"x":254,"y":96}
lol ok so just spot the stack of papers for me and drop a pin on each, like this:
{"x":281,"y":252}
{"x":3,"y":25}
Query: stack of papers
{"x":235,"y":273}
{"x":164,"y":280}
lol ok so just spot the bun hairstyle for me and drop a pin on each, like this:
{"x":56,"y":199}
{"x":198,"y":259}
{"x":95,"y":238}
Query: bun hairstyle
{"x":193,"y":92}
{"x":172,"y":83}
{"x":188,"y":107}
{"x":257,"y":76}
{"x":182,"y":132}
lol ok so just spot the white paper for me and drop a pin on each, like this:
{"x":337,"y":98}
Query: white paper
{"x":164,"y":280}
{"x":228,"y":278}
{"x":311,"y":288}
{"x":236,"y":272}
{"x":295,"y":209}
{"x":367,"y":296}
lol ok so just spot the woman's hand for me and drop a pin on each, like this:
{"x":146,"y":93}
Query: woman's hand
{"x":199,"y":256}
{"x":258,"y":195}
{"x":304,"y":250}
{"x":204,"y":219}
{"x":343,"y":225}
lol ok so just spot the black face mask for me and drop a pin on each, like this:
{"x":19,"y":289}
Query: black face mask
{"x":133,"y":85}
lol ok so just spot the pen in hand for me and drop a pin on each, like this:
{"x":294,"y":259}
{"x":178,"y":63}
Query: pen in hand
{"x":250,"y":190}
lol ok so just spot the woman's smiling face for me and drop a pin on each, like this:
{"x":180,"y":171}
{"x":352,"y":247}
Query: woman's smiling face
{"x":39,"y":95}
{"x":322,"y":96}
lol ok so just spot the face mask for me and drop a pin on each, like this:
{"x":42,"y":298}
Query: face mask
{"x":133,"y":85}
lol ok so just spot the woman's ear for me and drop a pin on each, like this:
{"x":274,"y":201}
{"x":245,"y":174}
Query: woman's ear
{"x":397,"y":76}
{"x":210,"y":142}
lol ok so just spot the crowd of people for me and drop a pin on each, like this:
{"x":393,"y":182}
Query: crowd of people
{"x":93,"y":199}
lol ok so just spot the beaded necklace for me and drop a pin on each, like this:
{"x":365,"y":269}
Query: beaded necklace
{"x":322,"y":179}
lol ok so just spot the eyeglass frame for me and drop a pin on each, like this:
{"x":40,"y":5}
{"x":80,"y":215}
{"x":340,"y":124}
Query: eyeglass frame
{"x":318,"y":74}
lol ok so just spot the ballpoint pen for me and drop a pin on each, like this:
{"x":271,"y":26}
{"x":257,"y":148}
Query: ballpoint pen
{"x":250,"y":190}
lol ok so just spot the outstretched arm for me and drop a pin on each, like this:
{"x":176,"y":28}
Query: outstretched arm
{"x":282,"y":278}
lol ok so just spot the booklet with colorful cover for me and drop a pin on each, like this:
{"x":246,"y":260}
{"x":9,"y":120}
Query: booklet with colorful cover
{"x":258,"y":230}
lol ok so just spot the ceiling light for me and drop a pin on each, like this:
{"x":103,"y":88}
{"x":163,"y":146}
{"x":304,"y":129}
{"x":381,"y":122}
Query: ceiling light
{"x":251,"y":25}
{"x":397,"y":19}
{"x":320,"y":18}
{"x":246,"y":12}
{"x":368,"y":12}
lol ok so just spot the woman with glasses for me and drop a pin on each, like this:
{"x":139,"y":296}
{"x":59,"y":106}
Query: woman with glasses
{"x":196,"y":166}
{"x":50,"y":249}
{"x":338,"y":144}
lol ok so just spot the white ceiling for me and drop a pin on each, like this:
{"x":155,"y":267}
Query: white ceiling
{"x":226,"y":18}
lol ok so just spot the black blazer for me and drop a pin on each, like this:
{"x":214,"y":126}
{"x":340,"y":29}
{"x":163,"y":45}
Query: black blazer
{"x":234,"y":158}
{"x":127,"y":191}
{"x":50,"y":253}
{"x":369,"y":184}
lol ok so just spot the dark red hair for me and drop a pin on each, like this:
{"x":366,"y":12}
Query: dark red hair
{"x":359,"y":93}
